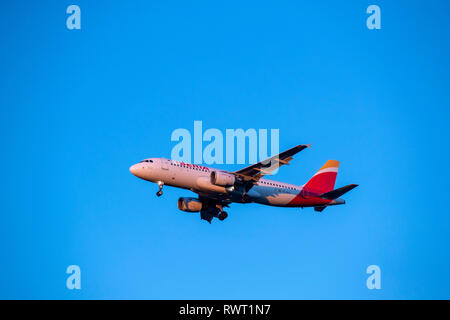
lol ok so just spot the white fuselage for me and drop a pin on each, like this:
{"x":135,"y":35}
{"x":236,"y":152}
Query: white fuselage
{"x":198,"y":179}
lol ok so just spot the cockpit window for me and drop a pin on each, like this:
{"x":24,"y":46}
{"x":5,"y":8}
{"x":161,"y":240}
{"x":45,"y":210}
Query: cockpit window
{"x":147,"y":161}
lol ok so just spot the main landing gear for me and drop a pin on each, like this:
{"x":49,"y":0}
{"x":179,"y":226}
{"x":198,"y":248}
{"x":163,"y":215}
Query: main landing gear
{"x":160,"y":185}
{"x":222,"y":215}
{"x":211,"y":210}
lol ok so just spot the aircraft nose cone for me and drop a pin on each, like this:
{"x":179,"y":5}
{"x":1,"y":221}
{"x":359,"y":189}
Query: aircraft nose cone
{"x":133,"y":169}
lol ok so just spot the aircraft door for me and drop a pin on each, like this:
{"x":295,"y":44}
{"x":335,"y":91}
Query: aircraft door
{"x":164,"y":164}
{"x":169,"y":171}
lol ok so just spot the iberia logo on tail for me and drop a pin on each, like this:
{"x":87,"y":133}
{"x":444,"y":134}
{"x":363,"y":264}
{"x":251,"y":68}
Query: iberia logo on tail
{"x":323,"y":181}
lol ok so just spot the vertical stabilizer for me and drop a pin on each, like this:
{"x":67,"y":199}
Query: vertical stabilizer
{"x":323,"y":181}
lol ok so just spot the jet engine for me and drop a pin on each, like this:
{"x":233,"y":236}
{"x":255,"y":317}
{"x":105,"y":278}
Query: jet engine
{"x":190,"y":204}
{"x":222,"y":179}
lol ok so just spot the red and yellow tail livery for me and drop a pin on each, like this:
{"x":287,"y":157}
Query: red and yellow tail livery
{"x":323,"y":181}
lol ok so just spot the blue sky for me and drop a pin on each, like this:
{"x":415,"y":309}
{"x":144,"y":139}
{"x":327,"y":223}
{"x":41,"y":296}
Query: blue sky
{"x":79,"y":107}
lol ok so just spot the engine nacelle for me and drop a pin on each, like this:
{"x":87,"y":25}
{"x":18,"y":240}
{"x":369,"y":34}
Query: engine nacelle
{"x":190,"y":204}
{"x":222,"y":179}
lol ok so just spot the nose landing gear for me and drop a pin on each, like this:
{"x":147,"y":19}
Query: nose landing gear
{"x":160,"y":185}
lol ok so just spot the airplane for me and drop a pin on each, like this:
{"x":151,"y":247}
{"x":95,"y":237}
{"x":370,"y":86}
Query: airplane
{"x":217,"y":189}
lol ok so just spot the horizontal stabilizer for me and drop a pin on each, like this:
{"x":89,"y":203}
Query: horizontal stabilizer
{"x":338,"y":192}
{"x":320,"y":208}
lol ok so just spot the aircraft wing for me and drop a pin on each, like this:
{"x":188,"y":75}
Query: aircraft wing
{"x":254,"y":172}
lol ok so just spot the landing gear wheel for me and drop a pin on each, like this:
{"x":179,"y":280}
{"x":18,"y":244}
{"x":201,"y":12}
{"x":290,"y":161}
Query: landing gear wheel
{"x":160,"y":185}
{"x":223,"y":215}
